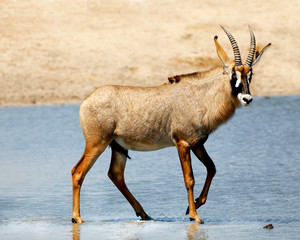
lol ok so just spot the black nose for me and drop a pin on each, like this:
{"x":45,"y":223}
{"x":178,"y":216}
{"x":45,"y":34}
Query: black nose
{"x":246,"y":100}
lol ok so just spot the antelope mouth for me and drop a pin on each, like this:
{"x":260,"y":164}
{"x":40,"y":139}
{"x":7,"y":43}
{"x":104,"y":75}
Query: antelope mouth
{"x":245,"y":99}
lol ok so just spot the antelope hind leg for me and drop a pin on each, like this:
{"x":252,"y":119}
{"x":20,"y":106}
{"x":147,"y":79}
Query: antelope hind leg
{"x":79,"y":172}
{"x":116,"y":174}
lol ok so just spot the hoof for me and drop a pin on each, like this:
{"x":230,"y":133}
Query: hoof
{"x":199,"y":221}
{"x":145,"y":218}
{"x":148,"y":218}
{"x":79,"y":220}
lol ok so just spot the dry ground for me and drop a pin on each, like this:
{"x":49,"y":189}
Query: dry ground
{"x":58,"y":51}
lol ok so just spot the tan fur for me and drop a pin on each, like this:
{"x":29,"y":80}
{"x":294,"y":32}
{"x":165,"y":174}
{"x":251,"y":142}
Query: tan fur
{"x":146,"y":118}
{"x":182,"y":113}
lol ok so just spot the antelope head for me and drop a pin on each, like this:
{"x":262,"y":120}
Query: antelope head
{"x":240,"y":73}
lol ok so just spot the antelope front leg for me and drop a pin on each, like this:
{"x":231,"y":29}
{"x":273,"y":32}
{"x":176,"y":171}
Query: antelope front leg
{"x":185,"y":160}
{"x":202,"y":155}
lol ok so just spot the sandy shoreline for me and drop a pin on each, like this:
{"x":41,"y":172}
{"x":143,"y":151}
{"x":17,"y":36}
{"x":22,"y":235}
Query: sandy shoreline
{"x":57,"y":52}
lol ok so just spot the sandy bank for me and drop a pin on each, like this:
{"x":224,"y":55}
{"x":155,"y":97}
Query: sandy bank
{"x":58,"y":51}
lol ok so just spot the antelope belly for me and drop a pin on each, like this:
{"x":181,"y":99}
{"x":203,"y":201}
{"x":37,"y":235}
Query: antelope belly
{"x":143,"y":145}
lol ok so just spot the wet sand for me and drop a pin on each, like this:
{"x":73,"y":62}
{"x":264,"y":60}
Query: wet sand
{"x":58,"y":51}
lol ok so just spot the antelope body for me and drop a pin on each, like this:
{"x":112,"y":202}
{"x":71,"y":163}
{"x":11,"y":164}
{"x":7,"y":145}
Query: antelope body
{"x":181,"y":113}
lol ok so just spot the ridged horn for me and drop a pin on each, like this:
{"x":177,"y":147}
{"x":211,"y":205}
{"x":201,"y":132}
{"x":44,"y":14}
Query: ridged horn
{"x":251,"y":54}
{"x":236,"y":51}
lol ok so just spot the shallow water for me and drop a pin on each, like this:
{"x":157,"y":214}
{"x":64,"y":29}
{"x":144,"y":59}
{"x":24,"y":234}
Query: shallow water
{"x":256,"y":153}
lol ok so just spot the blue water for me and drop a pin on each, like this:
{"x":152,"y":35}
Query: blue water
{"x":256,"y":153}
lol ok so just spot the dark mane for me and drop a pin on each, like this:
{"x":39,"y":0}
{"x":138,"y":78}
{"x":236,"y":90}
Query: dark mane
{"x":198,"y":75}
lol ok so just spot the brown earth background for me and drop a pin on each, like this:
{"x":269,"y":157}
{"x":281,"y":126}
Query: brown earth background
{"x":58,"y":51}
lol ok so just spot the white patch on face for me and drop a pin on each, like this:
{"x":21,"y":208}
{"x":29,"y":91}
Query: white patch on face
{"x":248,"y":77}
{"x":238,"y":81}
{"x":245,"y":99}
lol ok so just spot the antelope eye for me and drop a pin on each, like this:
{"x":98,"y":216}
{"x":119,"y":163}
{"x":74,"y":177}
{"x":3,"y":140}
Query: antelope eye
{"x":233,"y":76}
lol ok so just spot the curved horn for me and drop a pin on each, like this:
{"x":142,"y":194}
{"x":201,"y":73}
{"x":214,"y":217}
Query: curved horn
{"x":236,"y":51}
{"x":251,"y":54}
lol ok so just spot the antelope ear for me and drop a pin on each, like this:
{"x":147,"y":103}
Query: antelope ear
{"x":221,"y":53}
{"x":259,"y":53}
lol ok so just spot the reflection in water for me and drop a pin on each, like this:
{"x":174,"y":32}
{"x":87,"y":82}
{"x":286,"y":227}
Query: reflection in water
{"x":195,"y":232}
{"x":76,"y":231}
{"x":133,"y":230}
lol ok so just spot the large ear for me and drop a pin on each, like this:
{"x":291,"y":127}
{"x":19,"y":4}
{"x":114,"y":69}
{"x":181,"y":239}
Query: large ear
{"x":259,"y":53}
{"x":222,"y":54}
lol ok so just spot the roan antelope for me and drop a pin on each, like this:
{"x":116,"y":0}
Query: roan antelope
{"x":181,"y":113}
